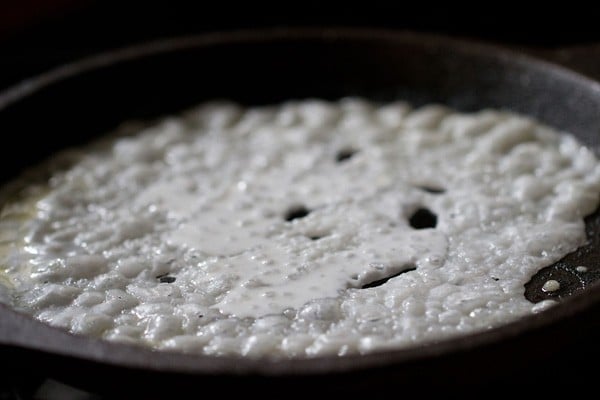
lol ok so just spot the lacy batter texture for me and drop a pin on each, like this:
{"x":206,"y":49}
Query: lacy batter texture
{"x":300,"y":229}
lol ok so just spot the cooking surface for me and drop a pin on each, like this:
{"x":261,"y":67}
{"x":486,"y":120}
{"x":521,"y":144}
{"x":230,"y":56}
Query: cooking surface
{"x":568,"y":365}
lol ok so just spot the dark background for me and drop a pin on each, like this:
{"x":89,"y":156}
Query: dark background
{"x":36,"y":35}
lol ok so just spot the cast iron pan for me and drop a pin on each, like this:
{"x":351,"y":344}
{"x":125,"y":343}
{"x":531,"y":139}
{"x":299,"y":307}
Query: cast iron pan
{"x":78,"y":102}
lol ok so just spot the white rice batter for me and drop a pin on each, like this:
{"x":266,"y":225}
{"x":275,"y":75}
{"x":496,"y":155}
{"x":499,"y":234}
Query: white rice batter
{"x":302,"y":229}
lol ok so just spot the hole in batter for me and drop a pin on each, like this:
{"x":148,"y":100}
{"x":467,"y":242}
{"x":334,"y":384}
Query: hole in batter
{"x":165,"y":278}
{"x":344,"y":155}
{"x":296,"y":212}
{"x":423,"y":218}
{"x":432,"y":189}
{"x":381,"y":281}
{"x":315,"y":237}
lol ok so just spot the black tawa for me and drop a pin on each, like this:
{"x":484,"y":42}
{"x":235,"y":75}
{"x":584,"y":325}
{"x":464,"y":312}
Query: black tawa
{"x":76,"y":103}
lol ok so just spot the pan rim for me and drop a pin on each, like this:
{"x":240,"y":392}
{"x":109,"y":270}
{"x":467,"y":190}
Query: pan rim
{"x":32,"y":84}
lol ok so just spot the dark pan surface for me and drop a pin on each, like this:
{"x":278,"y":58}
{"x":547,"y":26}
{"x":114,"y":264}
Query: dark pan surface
{"x":78,"y":102}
